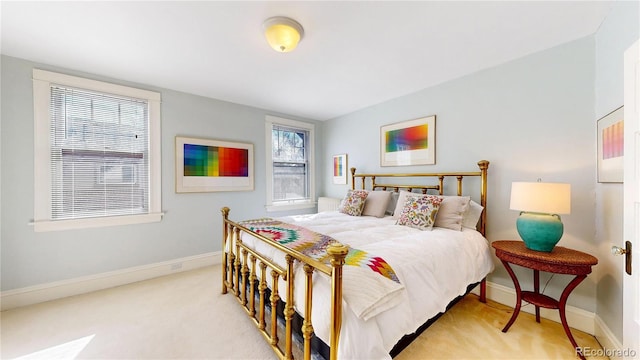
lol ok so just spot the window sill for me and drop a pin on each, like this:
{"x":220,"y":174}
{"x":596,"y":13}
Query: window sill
{"x":57,"y":225}
{"x":290,"y":206}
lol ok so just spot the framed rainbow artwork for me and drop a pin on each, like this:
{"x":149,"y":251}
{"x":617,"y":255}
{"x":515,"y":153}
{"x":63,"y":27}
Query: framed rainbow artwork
{"x":611,"y":147}
{"x":411,"y":142}
{"x":340,"y":169}
{"x":205,"y":165}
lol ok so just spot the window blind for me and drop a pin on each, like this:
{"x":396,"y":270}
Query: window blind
{"x":99,"y":154}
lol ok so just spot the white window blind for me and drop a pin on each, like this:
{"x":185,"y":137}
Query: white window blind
{"x":99,"y":154}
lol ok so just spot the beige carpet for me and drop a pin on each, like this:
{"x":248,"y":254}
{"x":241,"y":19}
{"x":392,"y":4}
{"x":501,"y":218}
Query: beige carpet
{"x":184,"y":316}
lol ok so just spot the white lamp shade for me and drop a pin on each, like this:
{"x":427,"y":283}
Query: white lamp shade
{"x":548,"y":198}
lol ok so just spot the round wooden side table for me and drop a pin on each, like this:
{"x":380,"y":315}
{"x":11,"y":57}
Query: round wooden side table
{"x":560,"y":260}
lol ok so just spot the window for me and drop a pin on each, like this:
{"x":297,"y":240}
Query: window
{"x":97,"y":156}
{"x":290,"y":166}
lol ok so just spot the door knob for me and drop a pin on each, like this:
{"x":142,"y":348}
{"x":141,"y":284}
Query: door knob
{"x":615,"y":250}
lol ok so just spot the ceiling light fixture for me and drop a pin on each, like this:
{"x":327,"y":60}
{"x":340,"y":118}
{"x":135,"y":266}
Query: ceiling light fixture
{"x":282,"y":33}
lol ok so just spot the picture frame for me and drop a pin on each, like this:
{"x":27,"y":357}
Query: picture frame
{"x":207,"y":165}
{"x":340,"y":169}
{"x":611,"y":147}
{"x":411,"y":142}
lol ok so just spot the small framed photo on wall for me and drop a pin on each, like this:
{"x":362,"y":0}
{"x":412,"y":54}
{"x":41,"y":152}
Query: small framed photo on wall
{"x":340,"y":169}
{"x":611,"y":147}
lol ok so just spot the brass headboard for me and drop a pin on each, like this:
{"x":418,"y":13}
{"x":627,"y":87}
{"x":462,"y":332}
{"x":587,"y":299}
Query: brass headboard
{"x":482,"y":164}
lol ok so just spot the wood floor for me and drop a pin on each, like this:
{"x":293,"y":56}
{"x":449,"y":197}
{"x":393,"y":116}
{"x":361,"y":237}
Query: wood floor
{"x":472,"y":330}
{"x":184,"y":316}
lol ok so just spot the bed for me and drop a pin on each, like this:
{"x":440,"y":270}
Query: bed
{"x":360,"y":283}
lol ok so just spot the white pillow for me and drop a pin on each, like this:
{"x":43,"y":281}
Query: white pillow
{"x":472,"y":215}
{"x":376,"y":203}
{"x":451,"y":212}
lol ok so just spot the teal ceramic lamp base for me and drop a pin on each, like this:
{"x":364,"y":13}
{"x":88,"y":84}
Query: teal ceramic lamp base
{"x":540,"y":232}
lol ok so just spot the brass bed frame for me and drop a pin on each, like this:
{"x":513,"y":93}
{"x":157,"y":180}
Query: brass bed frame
{"x":240,"y":273}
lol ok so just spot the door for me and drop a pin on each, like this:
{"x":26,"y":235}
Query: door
{"x":631,"y":284}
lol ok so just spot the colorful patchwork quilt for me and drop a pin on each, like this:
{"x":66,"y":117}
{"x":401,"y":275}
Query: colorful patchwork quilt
{"x":369,"y":283}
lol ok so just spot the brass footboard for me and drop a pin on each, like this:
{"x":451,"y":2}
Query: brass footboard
{"x":240,"y":264}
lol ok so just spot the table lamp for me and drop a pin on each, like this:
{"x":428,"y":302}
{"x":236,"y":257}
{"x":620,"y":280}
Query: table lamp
{"x":539,"y":224}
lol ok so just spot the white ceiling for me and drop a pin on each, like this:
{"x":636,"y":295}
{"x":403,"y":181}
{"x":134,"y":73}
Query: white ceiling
{"x":353,"y":54}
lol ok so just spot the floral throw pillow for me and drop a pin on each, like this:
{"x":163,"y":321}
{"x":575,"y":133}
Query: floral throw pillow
{"x":353,"y":202}
{"x":420,"y":212}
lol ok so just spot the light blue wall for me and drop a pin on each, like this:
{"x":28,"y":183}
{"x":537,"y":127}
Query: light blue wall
{"x":532,"y":118}
{"x":191,"y":226}
{"x":619,"y":31}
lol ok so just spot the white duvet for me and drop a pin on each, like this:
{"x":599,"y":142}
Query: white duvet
{"x":434,"y":266}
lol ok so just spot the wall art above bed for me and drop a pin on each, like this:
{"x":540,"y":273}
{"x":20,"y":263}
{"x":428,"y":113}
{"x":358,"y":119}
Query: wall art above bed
{"x":411,"y":142}
{"x":205,"y":165}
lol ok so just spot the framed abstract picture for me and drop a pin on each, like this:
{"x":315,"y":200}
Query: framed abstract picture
{"x":611,"y":147}
{"x":340,"y":169}
{"x":205,"y":165}
{"x":411,"y":142}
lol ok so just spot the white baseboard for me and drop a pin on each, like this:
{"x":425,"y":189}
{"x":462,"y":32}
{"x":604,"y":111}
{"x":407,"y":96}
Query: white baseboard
{"x":60,"y":289}
{"x":576,"y":318}
{"x":607,"y":339}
